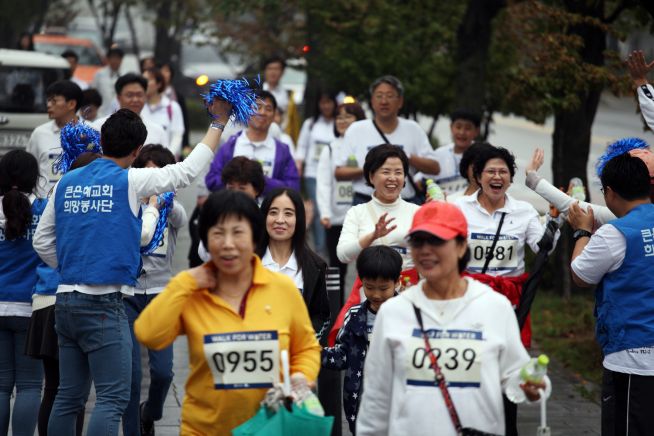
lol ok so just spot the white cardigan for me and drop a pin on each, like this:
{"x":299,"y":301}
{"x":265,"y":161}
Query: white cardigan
{"x":360,"y":221}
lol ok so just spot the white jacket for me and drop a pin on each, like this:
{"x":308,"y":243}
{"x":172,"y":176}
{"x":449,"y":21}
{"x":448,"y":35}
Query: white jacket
{"x":646,"y":102}
{"x":334,"y":198}
{"x":479,"y":340}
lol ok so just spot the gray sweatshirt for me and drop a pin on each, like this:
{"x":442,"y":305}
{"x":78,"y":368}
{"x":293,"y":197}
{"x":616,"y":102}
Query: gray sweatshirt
{"x":157,"y":267}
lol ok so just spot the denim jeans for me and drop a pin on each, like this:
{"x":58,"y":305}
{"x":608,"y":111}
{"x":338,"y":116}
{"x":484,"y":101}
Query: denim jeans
{"x":161,"y":372}
{"x":21,"y":371}
{"x":94,"y":345}
{"x":315,"y":225}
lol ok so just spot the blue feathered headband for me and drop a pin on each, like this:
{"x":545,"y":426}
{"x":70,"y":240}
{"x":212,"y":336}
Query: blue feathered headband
{"x":76,"y":138}
{"x":240,"y":93}
{"x":619,"y":147}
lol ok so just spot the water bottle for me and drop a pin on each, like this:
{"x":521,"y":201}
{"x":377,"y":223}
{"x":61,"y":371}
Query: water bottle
{"x":534,"y":371}
{"x":434,"y":191}
{"x":352,"y":161}
{"x":309,"y":401}
{"x":577,"y":190}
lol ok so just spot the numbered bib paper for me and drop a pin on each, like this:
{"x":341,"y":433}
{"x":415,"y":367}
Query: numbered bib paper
{"x":344,"y":193}
{"x":458,"y":353}
{"x":243,"y":360}
{"x":505,"y":255}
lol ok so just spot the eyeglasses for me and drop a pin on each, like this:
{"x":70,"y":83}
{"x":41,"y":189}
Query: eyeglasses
{"x":494,"y":172}
{"x":133,"y":95}
{"x":389,"y":97}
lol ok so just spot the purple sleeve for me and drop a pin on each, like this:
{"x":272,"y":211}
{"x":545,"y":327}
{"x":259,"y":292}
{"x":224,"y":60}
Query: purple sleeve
{"x":285,"y":173}
{"x":213,"y":178}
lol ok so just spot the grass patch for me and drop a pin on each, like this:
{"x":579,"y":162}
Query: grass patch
{"x":565,"y":329}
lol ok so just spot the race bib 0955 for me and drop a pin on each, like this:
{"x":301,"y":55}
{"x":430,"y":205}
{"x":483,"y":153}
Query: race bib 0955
{"x":458,"y":353}
{"x":243,"y":360}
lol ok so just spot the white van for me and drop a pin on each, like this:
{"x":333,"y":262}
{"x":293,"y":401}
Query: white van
{"x":24,"y":77}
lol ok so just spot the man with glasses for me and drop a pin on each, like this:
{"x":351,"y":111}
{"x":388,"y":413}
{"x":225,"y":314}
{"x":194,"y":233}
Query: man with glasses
{"x":387,"y":98}
{"x":130,"y":91}
{"x":64,"y":100}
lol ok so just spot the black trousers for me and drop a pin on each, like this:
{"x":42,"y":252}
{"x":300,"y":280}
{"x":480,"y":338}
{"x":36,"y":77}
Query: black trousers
{"x":629,"y":406}
{"x":332,"y":235}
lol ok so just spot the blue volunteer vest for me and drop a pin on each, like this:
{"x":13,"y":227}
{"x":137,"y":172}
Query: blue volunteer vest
{"x":625,"y":297}
{"x":18,"y":261}
{"x":47,"y":280}
{"x":97,"y":234}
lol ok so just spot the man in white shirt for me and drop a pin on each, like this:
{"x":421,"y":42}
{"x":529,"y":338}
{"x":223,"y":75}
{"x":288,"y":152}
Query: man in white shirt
{"x":464,"y":126}
{"x":273,"y":70}
{"x":387,"y":98}
{"x":64,"y":100}
{"x":130,"y":91}
{"x":619,"y":258}
{"x":105,"y":79}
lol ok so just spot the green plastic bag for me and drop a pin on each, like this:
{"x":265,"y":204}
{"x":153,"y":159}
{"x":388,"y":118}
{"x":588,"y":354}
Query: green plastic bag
{"x":296,"y":422}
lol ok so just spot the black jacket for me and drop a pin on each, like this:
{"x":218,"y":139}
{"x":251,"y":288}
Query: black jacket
{"x":314,"y":275}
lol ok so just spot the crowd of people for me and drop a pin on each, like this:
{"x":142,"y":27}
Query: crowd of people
{"x":428,"y":337}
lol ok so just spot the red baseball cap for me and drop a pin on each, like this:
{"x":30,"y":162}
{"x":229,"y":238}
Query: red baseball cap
{"x":443,"y":220}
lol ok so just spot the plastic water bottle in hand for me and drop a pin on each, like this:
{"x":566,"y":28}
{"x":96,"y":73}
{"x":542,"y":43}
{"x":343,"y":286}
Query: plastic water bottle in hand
{"x":577,"y":190}
{"x":434,"y":192}
{"x":352,"y":161}
{"x":534,"y":371}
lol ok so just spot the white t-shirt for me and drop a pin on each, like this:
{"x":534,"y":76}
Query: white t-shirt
{"x":45,"y":145}
{"x":521,"y":226}
{"x":156,"y":134}
{"x":362,"y":135}
{"x":314,"y":137}
{"x":370,"y":323}
{"x":604,"y":254}
{"x":291,"y":269}
{"x":263,"y":152}
{"x":449,"y":178}
{"x":168,"y":115}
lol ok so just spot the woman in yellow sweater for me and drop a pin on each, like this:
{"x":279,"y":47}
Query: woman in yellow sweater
{"x":237,"y":317}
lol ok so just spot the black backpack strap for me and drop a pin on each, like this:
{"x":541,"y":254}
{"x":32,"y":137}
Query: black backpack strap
{"x":491,"y":253}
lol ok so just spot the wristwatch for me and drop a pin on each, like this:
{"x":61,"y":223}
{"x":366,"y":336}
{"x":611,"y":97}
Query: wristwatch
{"x":217,"y":125}
{"x":580,"y":233}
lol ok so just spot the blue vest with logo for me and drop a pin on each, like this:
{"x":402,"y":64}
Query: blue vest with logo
{"x":625,"y":297}
{"x":47,"y":280}
{"x":97,"y":233}
{"x":18,"y":261}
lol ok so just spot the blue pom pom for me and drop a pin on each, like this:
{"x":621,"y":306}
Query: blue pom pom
{"x":619,"y":147}
{"x":237,"y":92}
{"x":166,"y":202}
{"x":76,"y":138}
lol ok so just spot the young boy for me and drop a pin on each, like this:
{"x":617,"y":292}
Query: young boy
{"x":464,"y":128}
{"x":379,"y":268}
{"x":156,"y":272}
{"x":64,"y":100}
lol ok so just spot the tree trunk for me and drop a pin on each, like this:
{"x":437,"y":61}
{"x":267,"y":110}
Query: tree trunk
{"x":572,"y":133}
{"x":473,"y":42}
{"x":132,"y":32}
{"x":166,"y":46}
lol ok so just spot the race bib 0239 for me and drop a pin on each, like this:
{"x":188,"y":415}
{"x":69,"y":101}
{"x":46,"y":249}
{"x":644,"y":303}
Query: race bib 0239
{"x":505,"y":255}
{"x":458,"y":353}
{"x":243,"y":360}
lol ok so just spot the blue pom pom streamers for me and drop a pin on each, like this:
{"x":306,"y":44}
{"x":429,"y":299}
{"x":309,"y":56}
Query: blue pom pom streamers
{"x":619,"y":147}
{"x":166,"y":202}
{"x":237,"y":92}
{"x":76,"y":138}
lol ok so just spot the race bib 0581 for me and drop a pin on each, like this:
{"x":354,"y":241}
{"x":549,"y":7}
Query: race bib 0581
{"x":243,"y":360}
{"x":458,"y":353}
{"x":505,"y":255}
